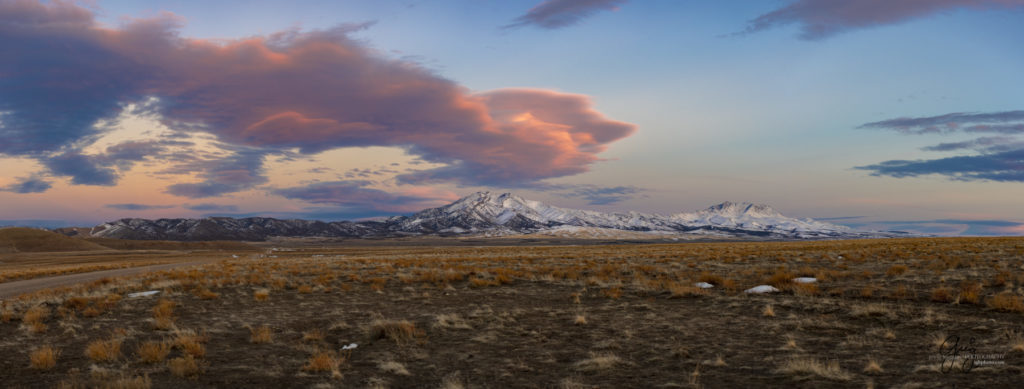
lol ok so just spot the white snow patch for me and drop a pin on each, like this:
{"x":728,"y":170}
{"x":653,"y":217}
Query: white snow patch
{"x":805,"y":280}
{"x":761,"y":289}
{"x":350,"y":346}
{"x":143,"y":294}
{"x":704,"y":285}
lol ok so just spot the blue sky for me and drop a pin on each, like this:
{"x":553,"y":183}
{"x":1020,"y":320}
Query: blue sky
{"x":688,"y":103}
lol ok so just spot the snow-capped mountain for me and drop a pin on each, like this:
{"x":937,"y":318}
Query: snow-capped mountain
{"x":489,"y":214}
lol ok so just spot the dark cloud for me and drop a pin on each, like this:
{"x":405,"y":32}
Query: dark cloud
{"x":824,"y":18}
{"x":209,"y":207}
{"x":1000,"y":122}
{"x":1007,"y":166}
{"x":355,"y":195}
{"x":310,"y":91}
{"x":552,"y":14}
{"x":83,"y":169}
{"x":238,"y":172}
{"x":596,"y":195}
{"x":137,"y":207}
{"x":998,"y":158}
{"x":28,"y":185}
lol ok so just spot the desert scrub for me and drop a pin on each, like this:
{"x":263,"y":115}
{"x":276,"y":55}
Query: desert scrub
{"x":399,"y":331}
{"x":261,"y":294}
{"x":185,"y":366}
{"x":163,"y":312}
{"x":896,"y":270}
{"x":43,"y":358}
{"x":814,"y":367}
{"x":322,"y":361}
{"x":1006,"y":302}
{"x":261,"y":334}
{"x":104,"y":350}
{"x":153,"y":352}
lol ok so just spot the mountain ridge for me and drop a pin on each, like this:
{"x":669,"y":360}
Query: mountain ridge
{"x":489,"y":214}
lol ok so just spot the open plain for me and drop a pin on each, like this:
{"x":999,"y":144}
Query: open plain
{"x":879,"y":313}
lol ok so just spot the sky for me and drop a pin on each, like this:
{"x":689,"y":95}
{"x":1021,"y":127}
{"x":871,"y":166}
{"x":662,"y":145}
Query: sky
{"x":877,"y":114}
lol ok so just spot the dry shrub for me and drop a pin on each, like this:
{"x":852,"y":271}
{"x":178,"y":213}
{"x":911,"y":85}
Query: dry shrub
{"x":185,"y":366}
{"x":867,"y":291}
{"x":781,"y":279}
{"x":896,"y":270}
{"x":190,"y":343}
{"x":261,"y":294}
{"x":153,"y":352}
{"x":943,"y":294}
{"x":482,"y":282}
{"x":1006,"y":302}
{"x":902,"y":292}
{"x":261,"y":334}
{"x":970,"y":293}
{"x":399,"y":331}
{"x":104,"y":350}
{"x":872,"y":367}
{"x":805,"y":289}
{"x":713,"y":279}
{"x":679,"y":290}
{"x":580,"y":320}
{"x":206,"y":294}
{"x":43,"y":358}
{"x":36,"y":314}
{"x":124,"y":382}
{"x":163,"y":315}
{"x":314,"y":335}
{"x":768,"y":311}
{"x":322,"y":361}
{"x":305,"y":289}
{"x":91,"y":312}
{"x":814,"y":367}
{"x":612,"y":293}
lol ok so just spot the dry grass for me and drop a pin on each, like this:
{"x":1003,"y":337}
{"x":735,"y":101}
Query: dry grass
{"x":152,"y":352}
{"x":896,"y":270}
{"x":206,"y":294}
{"x":1006,"y":302}
{"x":305,"y":289}
{"x":104,"y":350}
{"x":393,"y":367}
{"x":185,"y":366}
{"x":943,"y":294}
{"x":314,"y":335}
{"x":814,"y":367}
{"x":399,"y":331}
{"x":261,"y":334}
{"x":768,"y":311}
{"x":124,"y":382}
{"x":599,"y":362}
{"x":322,"y":361}
{"x":163,"y":315}
{"x":190,"y":343}
{"x":261,"y":294}
{"x":43,"y":358}
{"x":579,"y":320}
{"x":872,"y":367}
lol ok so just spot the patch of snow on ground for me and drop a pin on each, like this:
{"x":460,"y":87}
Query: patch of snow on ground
{"x":761,"y":289}
{"x":805,"y":280}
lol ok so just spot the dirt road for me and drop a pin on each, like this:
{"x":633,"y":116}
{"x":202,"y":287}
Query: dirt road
{"x":16,"y":288}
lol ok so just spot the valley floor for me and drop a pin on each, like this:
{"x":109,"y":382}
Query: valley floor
{"x":884,"y":313}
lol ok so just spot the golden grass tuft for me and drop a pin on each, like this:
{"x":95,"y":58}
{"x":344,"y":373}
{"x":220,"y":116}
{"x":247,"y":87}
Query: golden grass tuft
{"x":399,"y":331}
{"x":1006,"y":302}
{"x":261,"y":294}
{"x":190,"y":343}
{"x":261,"y":334}
{"x":185,"y":366}
{"x":768,"y":311}
{"x":322,"y":361}
{"x":314,"y":335}
{"x":36,"y":314}
{"x":163,"y":314}
{"x":814,"y":367}
{"x":612,"y":293}
{"x":579,"y":320}
{"x":43,"y":358}
{"x":896,"y":270}
{"x":305,"y":289}
{"x":943,"y":295}
{"x":872,"y":367}
{"x":104,"y":350}
{"x":970,"y":293}
{"x":152,"y":352}
{"x":206,"y":294}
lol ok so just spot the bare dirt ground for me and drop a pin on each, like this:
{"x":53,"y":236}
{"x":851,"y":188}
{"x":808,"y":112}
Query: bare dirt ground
{"x":892,"y":313}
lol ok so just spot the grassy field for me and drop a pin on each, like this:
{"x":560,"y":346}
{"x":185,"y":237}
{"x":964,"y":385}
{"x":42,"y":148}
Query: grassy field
{"x":883,"y":313}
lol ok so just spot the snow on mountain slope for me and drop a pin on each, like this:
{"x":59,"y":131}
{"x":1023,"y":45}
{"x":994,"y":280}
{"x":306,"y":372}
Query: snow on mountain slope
{"x":487,"y":214}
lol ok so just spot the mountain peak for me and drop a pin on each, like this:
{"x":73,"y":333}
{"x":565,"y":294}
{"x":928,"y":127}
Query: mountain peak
{"x":742,"y":208}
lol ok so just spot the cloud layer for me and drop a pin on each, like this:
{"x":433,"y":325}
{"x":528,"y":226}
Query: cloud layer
{"x":554,"y":14}
{"x":824,"y":18}
{"x":64,"y":75}
{"x":997,"y":158}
